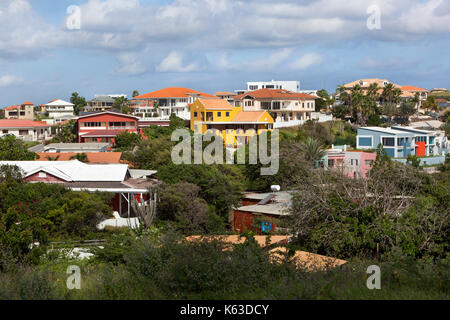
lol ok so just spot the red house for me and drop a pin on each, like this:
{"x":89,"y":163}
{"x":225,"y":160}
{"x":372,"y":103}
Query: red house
{"x":105,"y":126}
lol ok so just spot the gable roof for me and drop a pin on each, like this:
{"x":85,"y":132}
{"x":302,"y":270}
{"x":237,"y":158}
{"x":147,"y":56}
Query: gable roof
{"x":18,"y":123}
{"x":173,"y":92}
{"x":412,"y":88}
{"x":248,"y":116}
{"x":99,"y":113}
{"x":73,"y":171}
{"x":275,"y":94}
{"x":93,"y":157}
{"x":368,"y":82}
{"x":12,"y":108}
{"x":218,"y":104}
{"x":59,"y":102}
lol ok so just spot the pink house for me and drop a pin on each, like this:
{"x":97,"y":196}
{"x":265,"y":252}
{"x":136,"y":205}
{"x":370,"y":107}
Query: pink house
{"x":354,"y":164}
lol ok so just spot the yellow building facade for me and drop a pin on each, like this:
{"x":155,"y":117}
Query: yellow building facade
{"x":231,"y":122}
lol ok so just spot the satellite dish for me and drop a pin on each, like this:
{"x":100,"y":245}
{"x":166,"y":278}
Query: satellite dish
{"x":275,"y":188}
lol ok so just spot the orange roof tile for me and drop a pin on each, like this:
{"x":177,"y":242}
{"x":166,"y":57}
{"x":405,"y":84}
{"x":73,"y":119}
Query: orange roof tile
{"x":219,"y":104}
{"x":248,"y":116}
{"x":93,"y":157}
{"x":28,"y":103}
{"x":12,"y":108}
{"x":173,"y":92}
{"x":412,"y":88}
{"x":16,"y":123}
{"x":275,"y":94}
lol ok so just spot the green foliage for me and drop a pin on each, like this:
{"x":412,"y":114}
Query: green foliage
{"x":413,"y":160}
{"x":181,"y":204}
{"x":67,"y":133}
{"x":126,"y":141}
{"x":35,"y":212}
{"x":80,"y":157}
{"x":216,"y":187}
{"x":171,"y":268}
{"x":13,"y":149}
{"x":78,"y":101}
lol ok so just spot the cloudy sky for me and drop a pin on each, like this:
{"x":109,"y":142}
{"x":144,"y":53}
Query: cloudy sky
{"x":216,"y":45}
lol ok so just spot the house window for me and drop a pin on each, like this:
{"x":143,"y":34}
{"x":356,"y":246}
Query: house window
{"x":253,"y":87}
{"x":23,"y":132}
{"x":5,"y":131}
{"x":42,"y":175}
{"x":368,"y":162}
{"x":195,"y":114}
{"x":388,"y":142}
{"x":354,"y":162}
{"x":219,"y":114}
{"x":227,"y":114}
{"x":249,"y":103}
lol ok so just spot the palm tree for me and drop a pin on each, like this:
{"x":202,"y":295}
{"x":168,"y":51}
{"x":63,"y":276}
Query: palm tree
{"x":312,"y":149}
{"x":388,"y":93}
{"x":372,"y":91}
{"x":135,"y":93}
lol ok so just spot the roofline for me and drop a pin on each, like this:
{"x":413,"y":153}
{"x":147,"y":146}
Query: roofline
{"x":109,"y":112}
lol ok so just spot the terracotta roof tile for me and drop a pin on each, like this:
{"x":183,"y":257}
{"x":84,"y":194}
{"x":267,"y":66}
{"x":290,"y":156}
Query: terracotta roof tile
{"x":219,"y":104}
{"x":17,"y":123}
{"x":173,"y":92}
{"x":93,"y":157}
{"x":412,"y":88}
{"x":248,"y":116}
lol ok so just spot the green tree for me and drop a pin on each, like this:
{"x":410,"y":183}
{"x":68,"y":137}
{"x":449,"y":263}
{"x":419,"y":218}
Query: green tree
{"x":430,"y":104}
{"x":66,"y":133}
{"x":390,"y":110}
{"x":372,"y":91}
{"x":135,"y":93}
{"x":78,"y":101}
{"x":13,"y":149}
{"x":126,"y":140}
{"x":80,"y":157}
{"x":407,"y":109}
{"x":312,"y":149}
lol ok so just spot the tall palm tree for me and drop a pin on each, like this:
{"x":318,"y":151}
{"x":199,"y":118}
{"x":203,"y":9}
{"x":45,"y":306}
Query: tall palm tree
{"x":388,"y":92}
{"x":372,"y":91}
{"x":312,"y":149}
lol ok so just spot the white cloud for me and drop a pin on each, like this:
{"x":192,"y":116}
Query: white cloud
{"x":122,"y":27}
{"x":174,"y":63}
{"x":8,"y":80}
{"x":306,"y":61}
{"x":130,"y":65}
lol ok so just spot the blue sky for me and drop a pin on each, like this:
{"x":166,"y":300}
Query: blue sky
{"x":216,"y":45}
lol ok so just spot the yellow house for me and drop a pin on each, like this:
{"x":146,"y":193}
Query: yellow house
{"x":230,"y":121}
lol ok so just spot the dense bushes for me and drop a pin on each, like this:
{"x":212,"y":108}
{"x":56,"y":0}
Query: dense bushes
{"x":32,"y":213}
{"x":396,"y":207}
{"x":171,"y":268}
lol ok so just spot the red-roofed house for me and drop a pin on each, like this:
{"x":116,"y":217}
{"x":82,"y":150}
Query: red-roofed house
{"x":93,"y":157}
{"x":24,"y":111}
{"x":288,"y":108}
{"x":25,"y":129}
{"x":174,"y":100}
{"x":105,"y":126}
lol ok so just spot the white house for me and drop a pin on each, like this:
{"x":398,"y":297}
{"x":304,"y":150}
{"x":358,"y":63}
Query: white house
{"x":59,"y":108}
{"x":26,"y":130}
